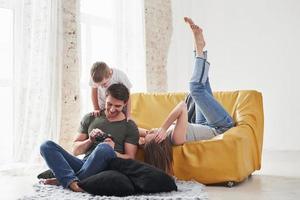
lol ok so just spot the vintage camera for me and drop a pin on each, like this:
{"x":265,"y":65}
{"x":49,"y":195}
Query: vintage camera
{"x":103,"y":136}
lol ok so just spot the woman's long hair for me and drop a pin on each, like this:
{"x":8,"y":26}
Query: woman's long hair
{"x":159,"y":155}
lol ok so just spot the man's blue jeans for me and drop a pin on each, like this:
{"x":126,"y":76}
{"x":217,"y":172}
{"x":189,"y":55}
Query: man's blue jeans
{"x":68,"y":168}
{"x":208,"y":110}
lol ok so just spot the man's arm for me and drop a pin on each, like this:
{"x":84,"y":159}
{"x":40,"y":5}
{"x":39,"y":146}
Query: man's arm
{"x":130,"y":151}
{"x":81,"y":144}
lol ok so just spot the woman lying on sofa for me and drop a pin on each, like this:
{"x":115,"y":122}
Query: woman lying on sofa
{"x":211,"y":118}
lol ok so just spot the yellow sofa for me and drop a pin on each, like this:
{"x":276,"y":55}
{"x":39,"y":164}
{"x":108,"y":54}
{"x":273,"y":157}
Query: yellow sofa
{"x":227,"y":158}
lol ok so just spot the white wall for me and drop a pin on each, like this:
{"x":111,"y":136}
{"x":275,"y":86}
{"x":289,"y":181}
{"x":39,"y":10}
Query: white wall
{"x":252,"y":45}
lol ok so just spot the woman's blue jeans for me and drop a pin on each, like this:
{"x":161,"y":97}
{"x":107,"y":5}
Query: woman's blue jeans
{"x":68,"y":168}
{"x":208,"y":110}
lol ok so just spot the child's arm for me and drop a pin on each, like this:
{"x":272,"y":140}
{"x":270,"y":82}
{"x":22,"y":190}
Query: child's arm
{"x":96,"y":111}
{"x":123,"y":78}
{"x":128,"y":111}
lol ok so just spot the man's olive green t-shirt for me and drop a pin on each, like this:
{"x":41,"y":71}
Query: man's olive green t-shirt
{"x":122,"y":131}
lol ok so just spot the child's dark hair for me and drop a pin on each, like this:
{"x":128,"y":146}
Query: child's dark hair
{"x":99,"y":71}
{"x":118,"y":91}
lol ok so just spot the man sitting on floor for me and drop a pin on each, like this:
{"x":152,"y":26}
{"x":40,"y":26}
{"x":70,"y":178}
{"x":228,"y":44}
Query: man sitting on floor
{"x":100,"y":139}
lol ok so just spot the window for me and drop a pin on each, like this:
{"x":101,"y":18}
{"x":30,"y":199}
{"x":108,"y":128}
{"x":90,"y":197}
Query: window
{"x":96,"y":42}
{"x":6,"y":83}
{"x":112,"y":31}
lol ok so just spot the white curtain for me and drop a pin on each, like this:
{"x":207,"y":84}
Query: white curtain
{"x":130,"y":46}
{"x":37,"y":76}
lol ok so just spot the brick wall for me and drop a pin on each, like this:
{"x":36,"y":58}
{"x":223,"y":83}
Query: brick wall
{"x":70,"y":75}
{"x":158,"y":29}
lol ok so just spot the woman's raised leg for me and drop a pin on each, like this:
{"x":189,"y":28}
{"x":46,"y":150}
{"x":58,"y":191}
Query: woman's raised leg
{"x":216,"y":116}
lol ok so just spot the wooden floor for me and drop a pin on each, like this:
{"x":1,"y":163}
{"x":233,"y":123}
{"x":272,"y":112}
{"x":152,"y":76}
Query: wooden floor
{"x":278,"y":179}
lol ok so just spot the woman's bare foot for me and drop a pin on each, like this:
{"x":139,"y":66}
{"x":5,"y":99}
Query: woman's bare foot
{"x":50,"y":181}
{"x":74,"y":187}
{"x":198,"y":36}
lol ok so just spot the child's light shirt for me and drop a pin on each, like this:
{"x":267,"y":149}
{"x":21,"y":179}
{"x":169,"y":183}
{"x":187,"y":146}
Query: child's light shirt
{"x":118,"y":76}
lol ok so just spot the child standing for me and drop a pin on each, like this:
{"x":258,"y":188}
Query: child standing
{"x":102,"y":76}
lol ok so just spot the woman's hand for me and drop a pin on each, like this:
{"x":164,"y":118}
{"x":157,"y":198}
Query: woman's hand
{"x":161,"y":135}
{"x":142,"y":141}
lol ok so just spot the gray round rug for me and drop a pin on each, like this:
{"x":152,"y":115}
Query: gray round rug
{"x":186,"y":190}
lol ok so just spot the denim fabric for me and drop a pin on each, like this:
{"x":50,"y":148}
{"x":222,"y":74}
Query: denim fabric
{"x":208,"y":111}
{"x":68,"y":168}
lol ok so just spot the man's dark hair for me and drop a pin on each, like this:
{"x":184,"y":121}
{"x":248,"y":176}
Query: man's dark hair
{"x":118,"y":91}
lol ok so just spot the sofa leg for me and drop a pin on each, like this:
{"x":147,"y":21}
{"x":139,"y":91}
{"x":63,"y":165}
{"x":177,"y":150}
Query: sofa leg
{"x":230,"y":184}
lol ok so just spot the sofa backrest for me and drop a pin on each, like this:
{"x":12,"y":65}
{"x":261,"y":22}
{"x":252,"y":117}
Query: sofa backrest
{"x":150,"y":109}
{"x":245,"y":106}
